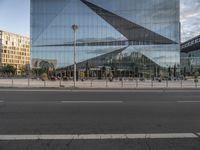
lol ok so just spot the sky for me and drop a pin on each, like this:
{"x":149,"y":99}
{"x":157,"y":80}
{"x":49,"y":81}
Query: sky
{"x":15,"y":17}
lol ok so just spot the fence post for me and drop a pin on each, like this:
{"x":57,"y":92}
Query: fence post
{"x":91,"y":83}
{"x":44,"y":83}
{"x":106,"y":82}
{"x":12,"y":82}
{"x":122,"y":83}
{"x":28,"y":82}
{"x":151,"y":83}
{"x":181,"y":83}
{"x":167,"y":83}
{"x":60,"y":82}
{"x":196,"y":81}
{"x":136,"y":82}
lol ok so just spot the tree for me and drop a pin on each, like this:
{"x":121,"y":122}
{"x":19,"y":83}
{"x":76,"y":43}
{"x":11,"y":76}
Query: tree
{"x":39,"y":71}
{"x":8,"y":70}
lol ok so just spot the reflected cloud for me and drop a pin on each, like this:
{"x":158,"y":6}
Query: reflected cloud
{"x":190,"y":19}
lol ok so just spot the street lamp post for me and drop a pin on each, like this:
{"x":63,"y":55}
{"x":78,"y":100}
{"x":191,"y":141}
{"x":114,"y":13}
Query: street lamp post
{"x":74,"y":27}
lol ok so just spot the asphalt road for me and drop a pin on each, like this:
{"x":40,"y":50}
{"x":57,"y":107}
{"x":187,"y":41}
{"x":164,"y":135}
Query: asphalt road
{"x":52,"y":112}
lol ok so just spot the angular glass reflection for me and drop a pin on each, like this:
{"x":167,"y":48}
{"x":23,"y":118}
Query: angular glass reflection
{"x":146,"y":33}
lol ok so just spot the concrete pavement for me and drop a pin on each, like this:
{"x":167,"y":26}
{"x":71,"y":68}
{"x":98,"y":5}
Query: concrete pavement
{"x":126,"y":83}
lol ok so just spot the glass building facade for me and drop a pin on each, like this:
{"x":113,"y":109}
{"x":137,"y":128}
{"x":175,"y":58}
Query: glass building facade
{"x":190,"y":62}
{"x":142,"y":37}
{"x":190,"y":56}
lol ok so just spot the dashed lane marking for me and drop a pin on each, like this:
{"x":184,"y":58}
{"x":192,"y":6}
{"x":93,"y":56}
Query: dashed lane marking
{"x":188,"y":101}
{"x":93,"y":102}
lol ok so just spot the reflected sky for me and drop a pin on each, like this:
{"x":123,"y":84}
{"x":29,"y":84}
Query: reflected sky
{"x":190,"y":18}
{"x":18,"y":12}
{"x":51,"y":24}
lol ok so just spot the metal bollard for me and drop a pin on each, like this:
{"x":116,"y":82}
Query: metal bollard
{"x":91,"y":83}
{"x":12,"y":83}
{"x":122,"y":83}
{"x":196,"y":86}
{"x":28,"y":82}
{"x":60,"y":83}
{"x":151,"y":83}
{"x":44,"y":83}
{"x":106,"y":82}
{"x":167,"y":83}
{"x":136,"y":83}
{"x":181,"y":83}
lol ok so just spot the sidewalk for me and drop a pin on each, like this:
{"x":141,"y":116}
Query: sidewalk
{"x":99,"y":84}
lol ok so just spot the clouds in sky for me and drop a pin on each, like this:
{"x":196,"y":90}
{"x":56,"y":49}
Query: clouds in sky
{"x":15,"y":16}
{"x":190,"y":18}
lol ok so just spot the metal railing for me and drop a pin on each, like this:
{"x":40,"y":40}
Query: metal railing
{"x":131,"y":83}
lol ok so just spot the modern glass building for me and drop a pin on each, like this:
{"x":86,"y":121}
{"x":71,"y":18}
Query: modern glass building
{"x":140,"y":37}
{"x":190,"y":56}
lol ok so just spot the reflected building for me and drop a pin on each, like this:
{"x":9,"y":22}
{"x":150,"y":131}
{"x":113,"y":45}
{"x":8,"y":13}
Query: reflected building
{"x":190,"y":56}
{"x":15,"y":51}
{"x":44,"y":64}
{"x":142,"y":37}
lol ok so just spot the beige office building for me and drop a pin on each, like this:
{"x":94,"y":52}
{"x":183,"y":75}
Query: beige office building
{"x":15,"y":51}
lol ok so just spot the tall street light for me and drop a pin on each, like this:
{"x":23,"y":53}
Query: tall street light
{"x":74,"y":27}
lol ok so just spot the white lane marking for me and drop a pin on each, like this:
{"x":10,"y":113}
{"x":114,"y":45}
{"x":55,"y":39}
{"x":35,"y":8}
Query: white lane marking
{"x":97,"y":136}
{"x":188,"y":101}
{"x":172,"y":135}
{"x":1,"y":101}
{"x":93,"y":102}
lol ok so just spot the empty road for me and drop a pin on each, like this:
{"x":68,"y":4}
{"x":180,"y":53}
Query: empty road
{"x":84,"y":120}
